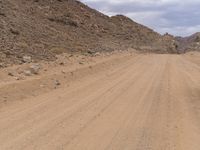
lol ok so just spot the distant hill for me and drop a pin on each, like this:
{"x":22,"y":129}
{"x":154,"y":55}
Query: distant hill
{"x":190,"y":43}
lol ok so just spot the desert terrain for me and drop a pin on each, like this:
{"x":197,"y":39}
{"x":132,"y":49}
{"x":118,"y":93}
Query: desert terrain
{"x":73,"y":78}
{"x":124,"y":100}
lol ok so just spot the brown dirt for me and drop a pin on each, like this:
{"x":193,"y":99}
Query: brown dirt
{"x":122,"y":101}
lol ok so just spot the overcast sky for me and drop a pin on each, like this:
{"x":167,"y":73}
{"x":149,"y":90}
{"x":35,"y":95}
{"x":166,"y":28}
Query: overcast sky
{"x":178,"y":17}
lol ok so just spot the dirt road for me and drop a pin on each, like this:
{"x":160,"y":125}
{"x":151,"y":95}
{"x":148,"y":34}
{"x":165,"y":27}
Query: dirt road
{"x":145,"y":102}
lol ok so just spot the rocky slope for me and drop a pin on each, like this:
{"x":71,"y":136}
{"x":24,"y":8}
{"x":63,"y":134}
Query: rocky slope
{"x":43,"y":28}
{"x":190,"y":43}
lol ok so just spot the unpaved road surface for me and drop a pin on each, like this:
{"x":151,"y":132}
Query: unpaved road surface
{"x":143,"y":102}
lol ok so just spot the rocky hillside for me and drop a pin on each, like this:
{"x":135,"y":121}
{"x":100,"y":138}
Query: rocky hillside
{"x":42,"y":28}
{"x":190,"y":43}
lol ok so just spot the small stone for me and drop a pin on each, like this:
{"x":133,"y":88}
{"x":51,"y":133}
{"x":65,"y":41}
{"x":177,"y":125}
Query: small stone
{"x":27,"y":59}
{"x":27,"y":73}
{"x":17,"y":78}
{"x":63,"y":71}
{"x":57,"y":83}
{"x":14,"y":31}
{"x":2,"y":65}
{"x":35,"y":68}
{"x":42,"y":85}
{"x":11,"y":73}
{"x":61,"y":63}
{"x":97,"y":54}
{"x":90,"y":52}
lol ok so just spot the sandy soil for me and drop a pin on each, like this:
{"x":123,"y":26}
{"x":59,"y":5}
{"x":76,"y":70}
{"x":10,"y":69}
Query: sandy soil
{"x":120,"y":102}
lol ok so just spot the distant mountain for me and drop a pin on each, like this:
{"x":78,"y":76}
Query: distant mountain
{"x":190,"y":43}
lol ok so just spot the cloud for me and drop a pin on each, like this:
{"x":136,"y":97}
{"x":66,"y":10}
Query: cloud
{"x":178,"y":17}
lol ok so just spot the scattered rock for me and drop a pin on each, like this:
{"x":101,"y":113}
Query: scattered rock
{"x":14,"y":31}
{"x":57,"y":82}
{"x":19,"y":70}
{"x":32,"y":70}
{"x":63,"y":71}
{"x":11,"y":73}
{"x":2,"y":14}
{"x":35,"y":68}
{"x":63,"y":20}
{"x":27,"y":59}
{"x":97,"y":54}
{"x":2,"y":65}
{"x":61,"y":63}
{"x":17,"y":78}
{"x":27,"y":73}
{"x":91,"y":52}
{"x":42,"y":85}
